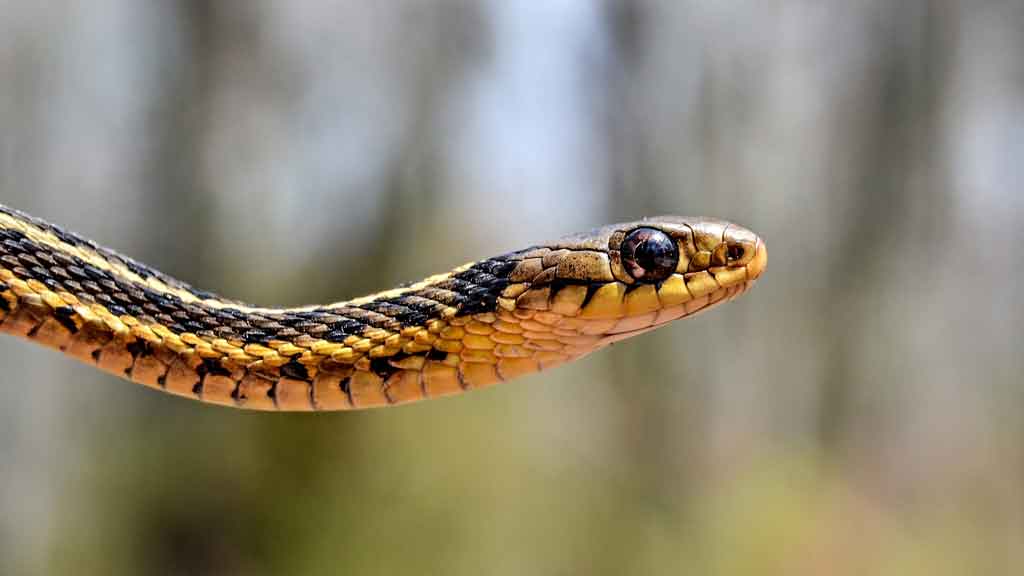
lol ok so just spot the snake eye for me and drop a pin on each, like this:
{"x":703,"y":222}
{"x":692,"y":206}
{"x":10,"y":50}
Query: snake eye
{"x":649,"y":255}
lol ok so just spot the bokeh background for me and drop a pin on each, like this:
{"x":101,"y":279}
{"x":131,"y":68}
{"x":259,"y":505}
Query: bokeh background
{"x":860,"y":412}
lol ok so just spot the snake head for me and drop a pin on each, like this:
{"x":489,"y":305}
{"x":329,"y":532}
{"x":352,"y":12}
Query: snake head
{"x":586,"y":291}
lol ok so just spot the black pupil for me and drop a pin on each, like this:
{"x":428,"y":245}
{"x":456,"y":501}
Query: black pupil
{"x":655,"y":253}
{"x":650,"y":254}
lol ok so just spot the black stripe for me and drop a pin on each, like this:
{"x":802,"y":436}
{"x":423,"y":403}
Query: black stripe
{"x":472,"y":291}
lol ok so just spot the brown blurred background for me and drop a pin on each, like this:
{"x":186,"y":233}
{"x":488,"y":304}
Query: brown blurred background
{"x":860,"y":412}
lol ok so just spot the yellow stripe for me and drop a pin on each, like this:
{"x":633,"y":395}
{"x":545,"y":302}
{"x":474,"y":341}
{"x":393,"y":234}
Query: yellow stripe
{"x":49,"y":239}
{"x":276,"y":353}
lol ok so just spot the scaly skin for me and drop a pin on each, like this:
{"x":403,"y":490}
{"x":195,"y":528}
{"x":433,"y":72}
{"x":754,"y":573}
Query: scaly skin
{"x":483,"y":323}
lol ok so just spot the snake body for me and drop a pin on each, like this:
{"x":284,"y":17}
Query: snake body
{"x":482,"y":323}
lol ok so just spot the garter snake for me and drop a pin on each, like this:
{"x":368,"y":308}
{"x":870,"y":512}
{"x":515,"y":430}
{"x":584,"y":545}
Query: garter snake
{"x":482,"y":323}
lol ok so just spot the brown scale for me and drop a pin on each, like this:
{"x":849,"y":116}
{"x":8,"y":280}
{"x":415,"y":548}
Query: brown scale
{"x":481,"y":324}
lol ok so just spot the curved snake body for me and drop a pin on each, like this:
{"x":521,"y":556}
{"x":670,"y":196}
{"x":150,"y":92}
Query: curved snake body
{"x":480,"y":324}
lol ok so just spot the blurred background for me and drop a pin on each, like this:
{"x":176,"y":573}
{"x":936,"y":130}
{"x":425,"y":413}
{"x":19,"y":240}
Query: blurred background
{"x":860,"y":412}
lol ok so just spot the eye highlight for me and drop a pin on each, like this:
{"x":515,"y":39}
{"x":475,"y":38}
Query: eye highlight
{"x":649,"y":255}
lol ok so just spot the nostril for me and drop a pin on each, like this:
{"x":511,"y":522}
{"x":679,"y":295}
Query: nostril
{"x":735,"y":252}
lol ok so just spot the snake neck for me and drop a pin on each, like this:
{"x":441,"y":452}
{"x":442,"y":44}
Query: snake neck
{"x":92,"y":303}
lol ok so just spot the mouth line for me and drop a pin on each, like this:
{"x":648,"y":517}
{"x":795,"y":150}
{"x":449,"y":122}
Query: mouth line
{"x":666,"y":315}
